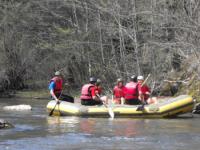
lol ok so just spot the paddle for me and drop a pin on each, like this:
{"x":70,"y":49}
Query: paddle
{"x":141,"y":107}
{"x":50,"y":114}
{"x":110,"y":111}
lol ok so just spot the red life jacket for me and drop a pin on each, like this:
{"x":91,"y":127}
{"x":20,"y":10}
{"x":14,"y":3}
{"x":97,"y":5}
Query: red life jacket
{"x":98,"y":90}
{"x":59,"y":83}
{"x":143,"y":89}
{"x":131,"y":91}
{"x":119,"y":92}
{"x":86,"y":92}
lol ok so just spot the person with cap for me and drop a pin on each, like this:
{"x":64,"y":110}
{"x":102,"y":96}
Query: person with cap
{"x":89,"y":93}
{"x":131,"y":92}
{"x":98,"y":89}
{"x":119,"y":92}
{"x":144,"y":92}
{"x":56,"y":89}
{"x":97,"y":93}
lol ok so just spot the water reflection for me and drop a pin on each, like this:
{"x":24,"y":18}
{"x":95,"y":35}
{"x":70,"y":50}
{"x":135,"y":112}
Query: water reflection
{"x":36,"y":130}
{"x":87,"y":126}
{"x":127,"y":128}
{"x":62,"y":124}
{"x":96,"y":126}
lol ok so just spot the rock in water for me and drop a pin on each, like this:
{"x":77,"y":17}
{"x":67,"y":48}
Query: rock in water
{"x":196,"y":109}
{"x":5,"y":125}
{"x":18,"y":107}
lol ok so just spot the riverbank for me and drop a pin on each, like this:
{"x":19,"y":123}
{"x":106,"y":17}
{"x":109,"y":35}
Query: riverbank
{"x":41,"y":94}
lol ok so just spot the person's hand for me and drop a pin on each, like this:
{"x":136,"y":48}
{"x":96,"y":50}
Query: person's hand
{"x":147,"y":93}
{"x":57,"y":101}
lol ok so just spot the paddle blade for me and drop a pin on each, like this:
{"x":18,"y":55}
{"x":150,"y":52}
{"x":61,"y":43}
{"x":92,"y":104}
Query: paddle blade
{"x":51,"y":113}
{"x":111,"y":113}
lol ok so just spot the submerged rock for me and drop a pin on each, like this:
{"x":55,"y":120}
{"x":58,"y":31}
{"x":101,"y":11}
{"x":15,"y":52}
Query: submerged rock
{"x":196,"y":109}
{"x":5,"y":124}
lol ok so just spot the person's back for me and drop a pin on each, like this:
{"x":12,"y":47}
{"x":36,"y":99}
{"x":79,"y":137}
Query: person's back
{"x":131,"y":93}
{"x":89,"y":95}
{"x":86,"y":91}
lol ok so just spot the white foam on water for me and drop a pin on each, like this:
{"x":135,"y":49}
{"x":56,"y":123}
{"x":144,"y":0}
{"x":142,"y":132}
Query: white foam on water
{"x":18,"y":107}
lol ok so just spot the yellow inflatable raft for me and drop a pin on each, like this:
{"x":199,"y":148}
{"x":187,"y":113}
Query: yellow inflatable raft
{"x":166,"y":107}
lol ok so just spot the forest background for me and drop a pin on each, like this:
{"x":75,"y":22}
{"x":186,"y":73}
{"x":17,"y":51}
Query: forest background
{"x":103,"y":38}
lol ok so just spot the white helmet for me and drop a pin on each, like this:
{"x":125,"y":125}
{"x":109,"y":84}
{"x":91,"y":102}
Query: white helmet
{"x":140,"y":78}
{"x":57,"y":73}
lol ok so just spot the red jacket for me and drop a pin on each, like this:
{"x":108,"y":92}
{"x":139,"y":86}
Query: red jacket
{"x":86,"y":91}
{"x":144,"y":90}
{"x":119,"y":92}
{"x":59,"y":83}
{"x":131,"y":91}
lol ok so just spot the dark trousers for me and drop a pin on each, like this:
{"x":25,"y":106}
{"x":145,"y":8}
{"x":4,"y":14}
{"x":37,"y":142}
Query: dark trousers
{"x":90,"y":102}
{"x":133,"y":102}
{"x":66,"y":98}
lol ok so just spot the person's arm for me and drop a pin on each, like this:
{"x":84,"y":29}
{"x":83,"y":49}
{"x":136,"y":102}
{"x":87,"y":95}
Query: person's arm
{"x":51,"y":88}
{"x":140,"y":94}
{"x":95,"y":95}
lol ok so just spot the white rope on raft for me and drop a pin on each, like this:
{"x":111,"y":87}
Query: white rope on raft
{"x":18,"y":107}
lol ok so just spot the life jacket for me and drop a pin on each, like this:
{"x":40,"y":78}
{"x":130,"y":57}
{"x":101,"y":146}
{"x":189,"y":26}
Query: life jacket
{"x":143,"y":89}
{"x":131,"y":91}
{"x":59,"y":83}
{"x":118,"y":92}
{"x":86,"y":92}
{"x":98,"y":90}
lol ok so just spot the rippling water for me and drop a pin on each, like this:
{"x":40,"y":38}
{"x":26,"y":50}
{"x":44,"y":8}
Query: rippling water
{"x":35,"y":130}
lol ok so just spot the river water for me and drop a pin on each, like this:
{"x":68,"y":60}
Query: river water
{"x":35,"y":130}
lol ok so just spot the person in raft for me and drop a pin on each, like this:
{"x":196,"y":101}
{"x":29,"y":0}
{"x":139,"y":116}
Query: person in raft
{"x":131,"y":92}
{"x":56,"y":89}
{"x":144,"y":92}
{"x":99,"y":91}
{"x":119,"y":92}
{"x":90,"y":93}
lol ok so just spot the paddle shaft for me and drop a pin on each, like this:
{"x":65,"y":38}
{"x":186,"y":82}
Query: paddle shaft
{"x":146,"y":79}
{"x":50,"y":114}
